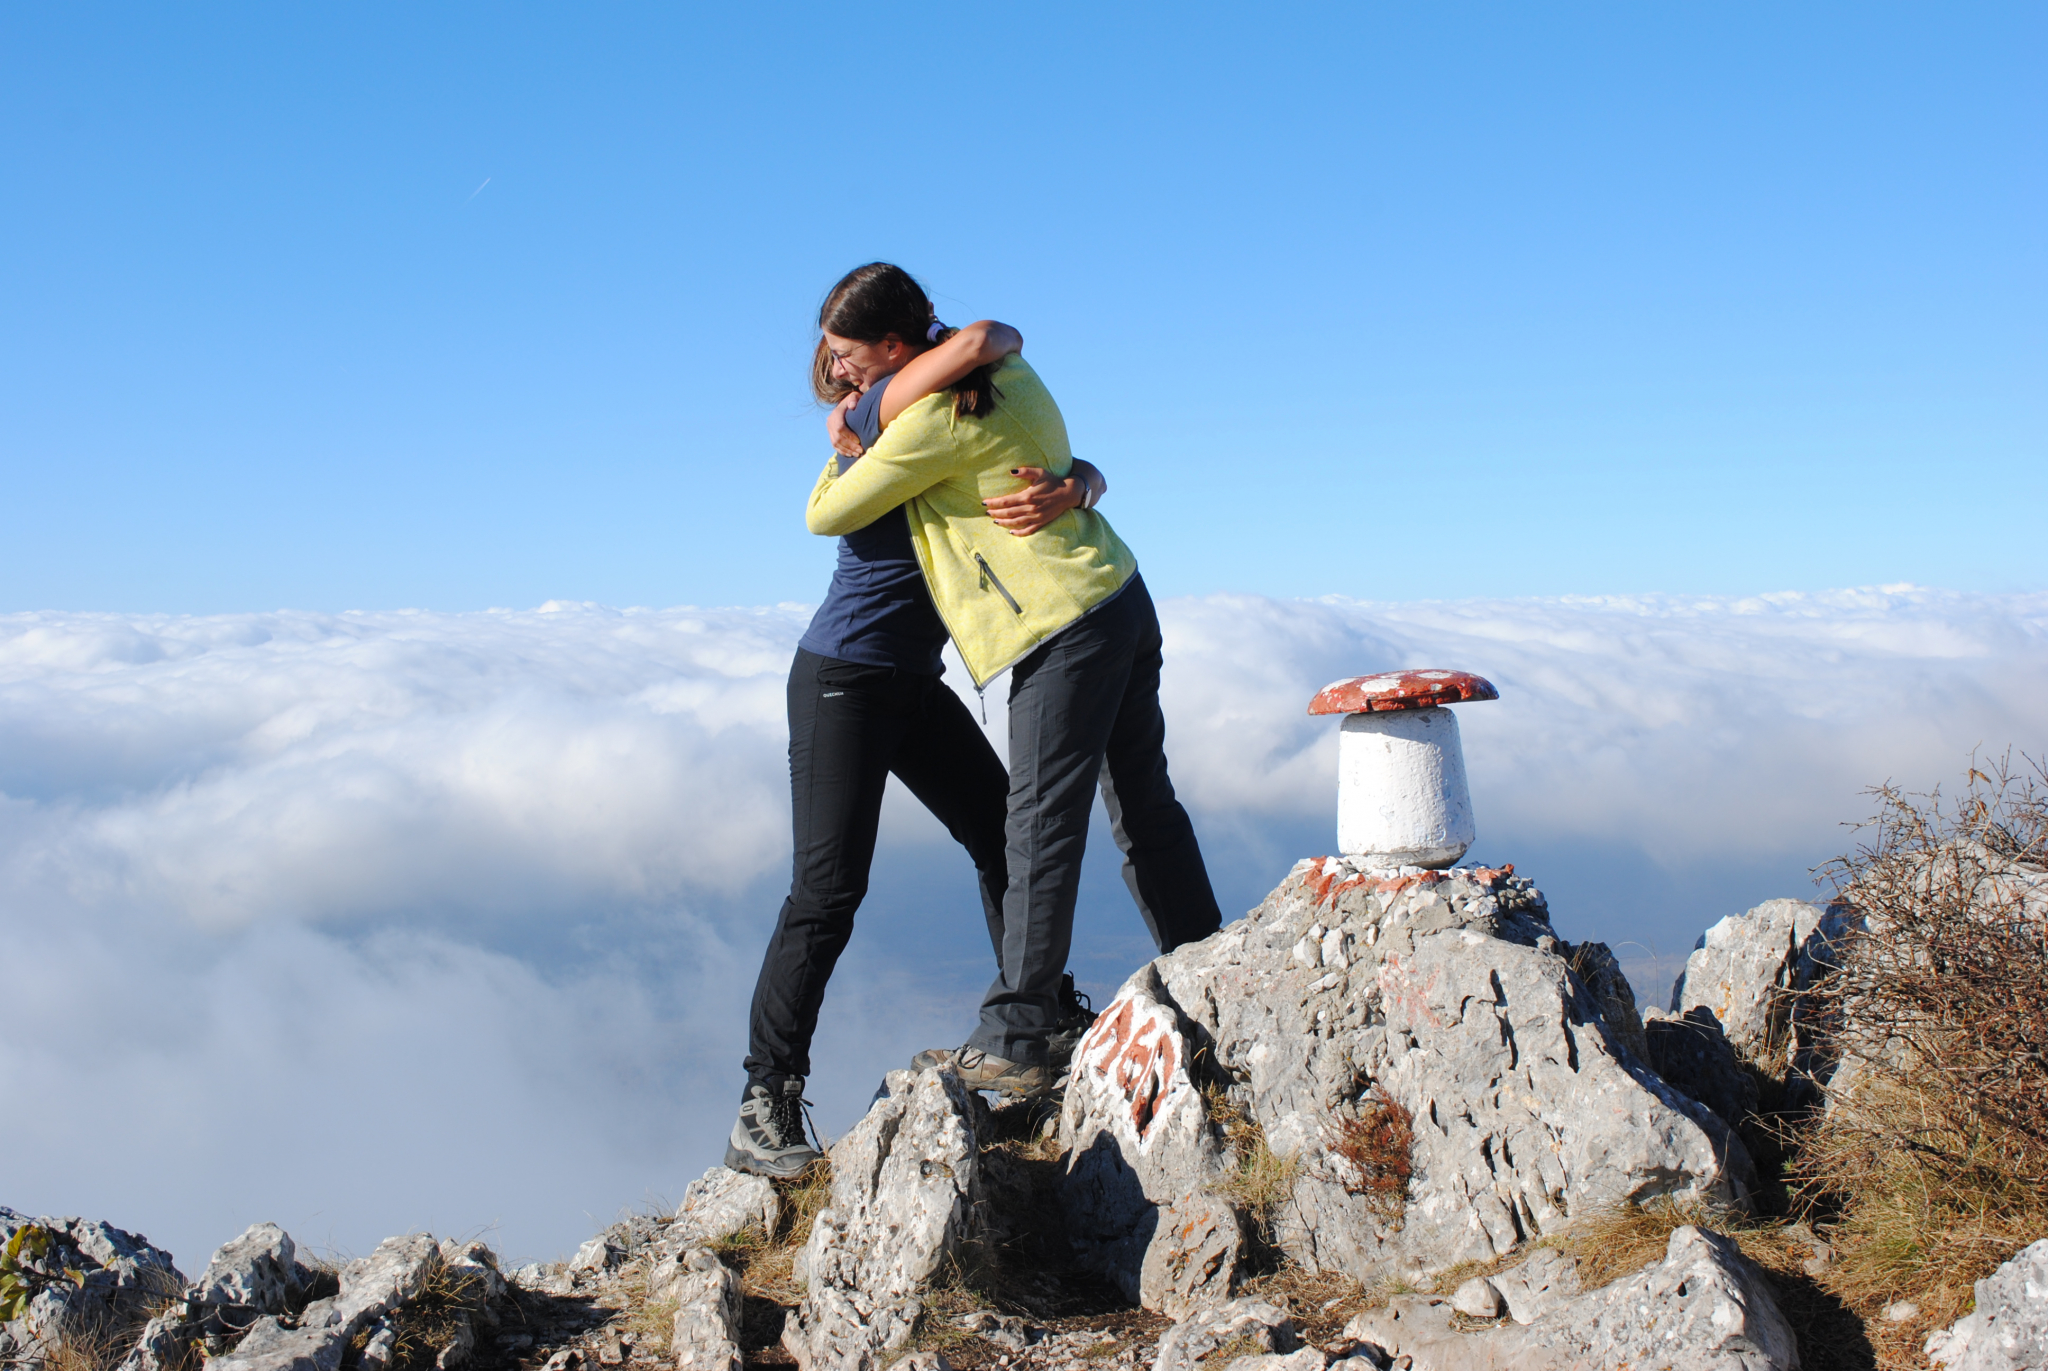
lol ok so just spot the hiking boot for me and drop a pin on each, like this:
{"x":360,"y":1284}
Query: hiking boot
{"x":1076,"y":1017}
{"x":769,"y":1138}
{"x":978,"y":1070}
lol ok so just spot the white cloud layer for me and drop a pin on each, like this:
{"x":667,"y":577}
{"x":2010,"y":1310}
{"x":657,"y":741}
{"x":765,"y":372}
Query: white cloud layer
{"x":367,"y":922}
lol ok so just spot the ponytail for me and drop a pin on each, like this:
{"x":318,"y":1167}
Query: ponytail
{"x":877,"y":300}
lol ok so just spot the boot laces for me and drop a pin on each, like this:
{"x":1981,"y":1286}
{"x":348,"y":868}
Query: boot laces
{"x":786,"y":1118}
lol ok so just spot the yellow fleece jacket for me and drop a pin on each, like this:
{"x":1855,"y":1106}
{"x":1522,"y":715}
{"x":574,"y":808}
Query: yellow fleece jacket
{"x":1000,"y":595}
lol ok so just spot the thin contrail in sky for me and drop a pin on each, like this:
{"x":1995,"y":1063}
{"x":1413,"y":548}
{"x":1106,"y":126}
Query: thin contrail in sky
{"x":479,"y":189}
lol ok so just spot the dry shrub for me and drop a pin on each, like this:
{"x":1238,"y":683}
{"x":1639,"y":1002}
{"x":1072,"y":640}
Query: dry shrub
{"x":1375,"y":1144}
{"x":1932,"y":1154}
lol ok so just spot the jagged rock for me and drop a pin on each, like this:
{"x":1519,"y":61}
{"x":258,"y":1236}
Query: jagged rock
{"x":90,"y":1281}
{"x":906,"y":1181}
{"x":1691,"y":1051}
{"x":1749,"y":967}
{"x":720,"y":1203}
{"x":165,"y":1343}
{"x":1534,"y":1287}
{"x":1477,"y":1299}
{"x":598,"y":1255}
{"x":248,"y":1277}
{"x":2008,"y":1330}
{"x":707,"y":1320}
{"x":1704,"y":1307}
{"x":1141,"y":1158}
{"x":371,"y":1288}
{"x":1184,"y":1345}
{"x":473,"y":1268}
{"x":1446,"y":992}
{"x":255,"y":1271}
{"x":1599,"y":971}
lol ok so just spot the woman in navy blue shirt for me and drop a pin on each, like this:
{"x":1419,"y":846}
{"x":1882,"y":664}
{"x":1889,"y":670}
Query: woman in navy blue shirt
{"x":866,"y":701}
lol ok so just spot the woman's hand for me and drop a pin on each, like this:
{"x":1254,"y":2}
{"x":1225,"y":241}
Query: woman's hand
{"x":845,"y":441}
{"x":1039,"y":503}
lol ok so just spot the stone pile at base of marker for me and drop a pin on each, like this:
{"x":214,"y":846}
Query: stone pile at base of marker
{"x":1352,"y":1009}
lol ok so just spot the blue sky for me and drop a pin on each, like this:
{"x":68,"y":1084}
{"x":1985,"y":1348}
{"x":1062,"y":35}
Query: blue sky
{"x":1383,"y":301}
{"x":1592,"y":348}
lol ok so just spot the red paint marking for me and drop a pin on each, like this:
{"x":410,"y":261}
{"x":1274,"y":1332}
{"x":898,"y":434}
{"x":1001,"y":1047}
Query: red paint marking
{"x":1391,"y":888}
{"x":1401,"y":690}
{"x":1136,"y":1059}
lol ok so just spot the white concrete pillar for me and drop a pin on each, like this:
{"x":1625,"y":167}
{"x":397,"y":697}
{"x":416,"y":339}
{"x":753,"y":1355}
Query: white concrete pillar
{"x":1401,"y":793}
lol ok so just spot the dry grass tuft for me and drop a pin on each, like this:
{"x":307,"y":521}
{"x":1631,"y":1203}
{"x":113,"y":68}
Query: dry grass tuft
{"x":1244,"y":1345}
{"x":1322,"y":1302}
{"x":1620,"y":1241}
{"x":432,"y":1321}
{"x":97,"y":1350}
{"x":1263,"y":1179}
{"x":1374,"y":1146}
{"x":766,"y":1262}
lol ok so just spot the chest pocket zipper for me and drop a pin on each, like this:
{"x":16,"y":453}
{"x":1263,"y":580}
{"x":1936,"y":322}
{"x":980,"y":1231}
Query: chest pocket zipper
{"x":988,"y":578}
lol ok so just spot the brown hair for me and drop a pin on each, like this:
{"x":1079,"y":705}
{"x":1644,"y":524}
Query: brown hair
{"x":868,"y":305}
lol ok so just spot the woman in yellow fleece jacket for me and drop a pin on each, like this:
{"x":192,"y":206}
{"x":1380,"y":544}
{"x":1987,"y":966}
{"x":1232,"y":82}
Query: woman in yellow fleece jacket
{"x":1063,"y":609}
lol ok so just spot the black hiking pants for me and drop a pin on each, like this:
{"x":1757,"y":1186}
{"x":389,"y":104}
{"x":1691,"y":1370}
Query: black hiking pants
{"x":1084,"y":711}
{"x":850,"y":727}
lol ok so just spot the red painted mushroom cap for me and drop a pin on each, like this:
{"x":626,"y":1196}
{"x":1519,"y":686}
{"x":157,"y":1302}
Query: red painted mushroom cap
{"x":1401,"y":690}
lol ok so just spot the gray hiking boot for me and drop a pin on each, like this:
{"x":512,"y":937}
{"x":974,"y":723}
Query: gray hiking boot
{"x":769,"y":1138}
{"x":978,"y":1070}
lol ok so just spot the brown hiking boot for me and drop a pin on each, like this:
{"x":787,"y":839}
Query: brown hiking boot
{"x":978,"y":1070}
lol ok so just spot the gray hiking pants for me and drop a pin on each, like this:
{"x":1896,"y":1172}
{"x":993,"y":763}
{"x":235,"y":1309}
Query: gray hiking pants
{"x":1084,"y":710}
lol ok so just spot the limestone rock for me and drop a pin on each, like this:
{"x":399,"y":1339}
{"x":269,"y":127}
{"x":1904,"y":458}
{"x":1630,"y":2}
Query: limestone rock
{"x":1534,"y":1287}
{"x":255,"y":1271}
{"x":1704,"y":1307}
{"x":722,"y":1202}
{"x":165,"y":1343}
{"x":1142,"y":1157}
{"x":473,"y":1268}
{"x":905,"y":1185}
{"x":1443,"y":991}
{"x":89,"y":1280}
{"x":1691,"y":1051}
{"x":1748,"y":968}
{"x":2008,"y":1330}
{"x":372,"y":1288}
{"x":707,"y":1322}
{"x":1477,"y":1299}
{"x":1301,"y":1359}
{"x":1183,"y":1346}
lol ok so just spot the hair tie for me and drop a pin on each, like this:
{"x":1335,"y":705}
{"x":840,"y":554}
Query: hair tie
{"x":931,"y":335}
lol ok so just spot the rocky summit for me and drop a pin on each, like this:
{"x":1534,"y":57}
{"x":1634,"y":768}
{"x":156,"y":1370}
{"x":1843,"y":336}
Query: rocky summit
{"x":1390,"y":1118}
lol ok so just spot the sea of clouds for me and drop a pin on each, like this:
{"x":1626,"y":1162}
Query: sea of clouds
{"x":373,"y":922}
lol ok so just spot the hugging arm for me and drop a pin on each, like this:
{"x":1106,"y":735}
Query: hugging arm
{"x":982,"y":343}
{"x":1047,"y":497}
